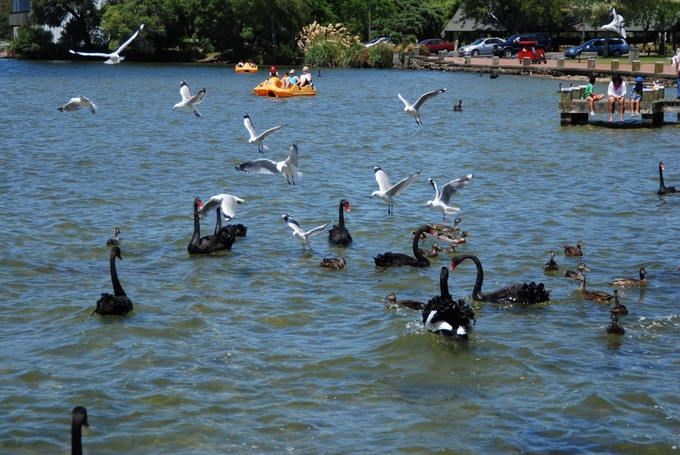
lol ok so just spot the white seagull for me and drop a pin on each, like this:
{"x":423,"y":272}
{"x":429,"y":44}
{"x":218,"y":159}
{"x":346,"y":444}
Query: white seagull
{"x":387,"y":191}
{"x":114,"y":57}
{"x":258,"y":138}
{"x":78,"y":103}
{"x":265,"y":166}
{"x":441,"y":199}
{"x":189,"y":102}
{"x":616,"y":25}
{"x":414,"y":109}
{"x":226,"y":202}
{"x":299,"y":233}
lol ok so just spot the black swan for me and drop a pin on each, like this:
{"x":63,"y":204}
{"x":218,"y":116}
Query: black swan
{"x":334,"y":263}
{"x":598,"y":296}
{"x":663,"y":189}
{"x":117,"y":304}
{"x":618,"y":308}
{"x":614,"y":328}
{"x":574,"y":275}
{"x":399,"y":259}
{"x":458,"y":107}
{"x":392,"y":303}
{"x":445,"y":316}
{"x":78,"y":421}
{"x":235,"y":230}
{"x":631,"y":282}
{"x":551,"y":265}
{"x":517,"y":293}
{"x":573,"y":250}
{"x":339,"y":233}
{"x":209,"y":243}
{"x":115,"y":240}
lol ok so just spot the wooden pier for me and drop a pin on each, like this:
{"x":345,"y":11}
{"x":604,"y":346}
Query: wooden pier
{"x":574,"y":109}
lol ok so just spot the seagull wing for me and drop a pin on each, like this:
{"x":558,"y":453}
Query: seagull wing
{"x":453,"y":186}
{"x":295,"y":226}
{"x":264,"y":135}
{"x":211,"y":205}
{"x":436,"y":190}
{"x":406,"y":103}
{"x":382,"y":179}
{"x":185,"y":91}
{"x":197,"y":98}
{"x":249,"y":126}
{"x":90,"y":54}
{"x":261,"y":166}
{"x":126,"y":43}
{"x":228,"y":207}
{"x":399,"y":187}
{"x":293,"y":157}
{"x":316,"y":230}
{"x":426,"y":96}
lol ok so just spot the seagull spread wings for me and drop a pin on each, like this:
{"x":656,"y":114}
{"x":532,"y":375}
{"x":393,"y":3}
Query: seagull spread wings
{"x":226,"y":202}
{"x":288,"y":167}
{"x":414,"y":109}
{"x":450,"y":188}
{"x":113,"y":57}
{"x":299,"y":232}
{"x":258,"y":138}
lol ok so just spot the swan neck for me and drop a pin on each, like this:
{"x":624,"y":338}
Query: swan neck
{"x":197,"y":227}
{"x":444,"y":284}
{"x":341,"y":216}
{"x":76,"y":439}
{"x":477,"y":290}
{"x":661,"y":184}
{"x":117,"y":288}
{"x":218,"y":222}
{"x":416,"y":250}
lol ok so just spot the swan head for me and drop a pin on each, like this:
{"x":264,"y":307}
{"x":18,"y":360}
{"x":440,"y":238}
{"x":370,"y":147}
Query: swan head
{"x":79,"y":416}
{"x":345,"y":204}
{"x":115,"y":251}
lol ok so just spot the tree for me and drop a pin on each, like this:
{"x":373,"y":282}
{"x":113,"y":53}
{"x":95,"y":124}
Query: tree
{"x":413,"y":17}
{"x":80,"y":19}
{"x":5,"y":9}
{"x":518,"y":15}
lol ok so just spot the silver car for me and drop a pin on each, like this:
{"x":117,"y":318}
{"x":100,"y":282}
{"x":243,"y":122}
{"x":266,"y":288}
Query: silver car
{"x":483,"y":46}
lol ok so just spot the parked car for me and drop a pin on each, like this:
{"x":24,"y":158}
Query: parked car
{"x":511,"y":46}
{"x":483,"y":46}
{"x":435,"y":45}
{"x":373,"y":42}
{"x":617,"y":47}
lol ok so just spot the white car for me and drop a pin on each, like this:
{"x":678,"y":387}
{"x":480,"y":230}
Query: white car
{"x":375,"y":41}
{"x":483,"y":46}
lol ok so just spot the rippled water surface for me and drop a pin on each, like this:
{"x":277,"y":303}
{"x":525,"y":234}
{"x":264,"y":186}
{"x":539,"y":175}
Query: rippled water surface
{"x":259,"y":350}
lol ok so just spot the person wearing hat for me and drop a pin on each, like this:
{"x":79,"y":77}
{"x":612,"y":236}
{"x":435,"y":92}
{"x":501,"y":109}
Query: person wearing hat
{"x":292,"y":80}
{"x":273,"y":72}
{"x":636,"y":96}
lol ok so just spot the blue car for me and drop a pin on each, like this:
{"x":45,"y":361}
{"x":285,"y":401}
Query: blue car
{"x":617,"y":47}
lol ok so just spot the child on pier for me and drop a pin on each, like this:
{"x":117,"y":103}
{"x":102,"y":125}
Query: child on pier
{"x":636,"y":96}
{"x":591,"y":96}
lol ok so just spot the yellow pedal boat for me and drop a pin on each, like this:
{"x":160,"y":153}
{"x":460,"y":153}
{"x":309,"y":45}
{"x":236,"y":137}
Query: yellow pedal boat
{"x":246,"y":68}
{"x":274,"y":88}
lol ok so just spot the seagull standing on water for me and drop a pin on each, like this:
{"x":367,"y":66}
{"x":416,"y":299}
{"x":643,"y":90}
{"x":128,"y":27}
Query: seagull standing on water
{"x":114,"y":57}
{"x":258,"y":138}
{"x":414,"y":109}
{"x":227,"y":204}
{"x":78,"y":103}
{"x":265,"y":166}
{"x":387,"y":191}
{"x":299,"y":233}
{"x":189,"y":102}
{"x":441,"y":199}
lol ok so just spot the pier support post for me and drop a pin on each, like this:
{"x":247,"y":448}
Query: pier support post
{"x":636,"y":65}
{"x":568,"y":119}
{"x":526,"y":61}
{"x":494,"y":60}
{"x":441,"y":55}
{"x":560,"y":62}
{"x":468,"y":60}
{"x":655,"y":119}
{"x":615,"y":65}
{"x":591,"y":63}
{"x":658,"y":67}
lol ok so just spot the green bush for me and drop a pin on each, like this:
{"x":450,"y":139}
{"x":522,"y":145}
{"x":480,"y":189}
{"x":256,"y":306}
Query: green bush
{"x":34,"y":42}
{"x":380,"y":56}
{"x":321,"y":52}
{"x":356,"y":56}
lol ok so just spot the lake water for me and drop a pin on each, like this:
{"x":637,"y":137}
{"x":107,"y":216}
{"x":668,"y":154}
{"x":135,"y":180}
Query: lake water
{"x":259,"y":350}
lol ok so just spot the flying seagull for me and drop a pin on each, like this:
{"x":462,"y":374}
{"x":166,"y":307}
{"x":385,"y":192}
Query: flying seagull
{"x":299,"y":233}
{"x":114,"y":57}
{"x":189,"y":102}
{"x":258,"y":138}
{"x":265,"y":166}
{"x":414,"y":109}
{"x":441,"y":199}
{"x":387,"y":191}
{"x":78,"y":103}
{"x":226,"y":202}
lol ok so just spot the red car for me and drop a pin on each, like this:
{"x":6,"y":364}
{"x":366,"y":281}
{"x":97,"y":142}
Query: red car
{"x":435,"y":45}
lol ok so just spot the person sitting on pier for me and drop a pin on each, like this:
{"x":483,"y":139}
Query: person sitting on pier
{"x":636,"y":96}
{"x":675,"y":61}
{"x":591,"y":96}
{"x":617,"y":92}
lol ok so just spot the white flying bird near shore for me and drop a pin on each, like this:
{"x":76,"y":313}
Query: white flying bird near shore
{"x":114,"y":57}
{"x":616,"y":25}
{"x":387,"y":191}
{"x":265,"y":166}
{"x":189,"y":102}
{"x":414,"y":109}
{"x":226,"y":202}
{"x":78,"y":103}
{"x":258,"y":138}
{"x":441,"y":199}
{"x":301,"y":234}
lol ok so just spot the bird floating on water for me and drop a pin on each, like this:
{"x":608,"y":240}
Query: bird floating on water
{"x":663,"y":189}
